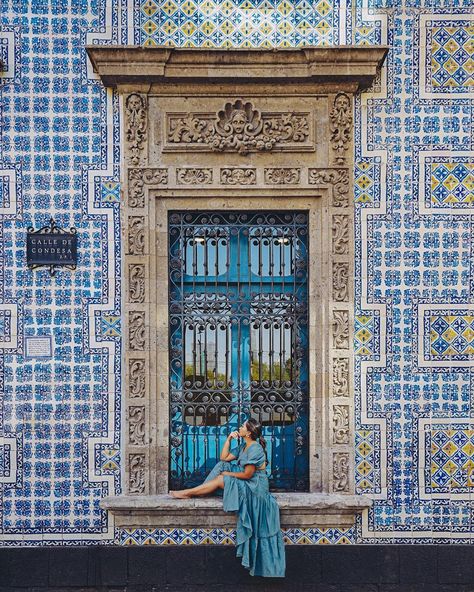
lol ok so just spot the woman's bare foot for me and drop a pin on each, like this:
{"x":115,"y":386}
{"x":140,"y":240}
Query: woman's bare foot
{"x":180,"y":494}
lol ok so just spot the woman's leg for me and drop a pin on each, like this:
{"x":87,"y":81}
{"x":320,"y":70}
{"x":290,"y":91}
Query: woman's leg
{"x":220,"y":466}
{"x":204,"y":489}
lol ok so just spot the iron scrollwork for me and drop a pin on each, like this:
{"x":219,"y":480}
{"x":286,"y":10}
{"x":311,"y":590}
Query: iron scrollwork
{"x":238,"y":338}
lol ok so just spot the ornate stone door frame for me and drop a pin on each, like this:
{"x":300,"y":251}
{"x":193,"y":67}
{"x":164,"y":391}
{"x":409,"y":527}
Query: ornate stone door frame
{"x":222,"y":130}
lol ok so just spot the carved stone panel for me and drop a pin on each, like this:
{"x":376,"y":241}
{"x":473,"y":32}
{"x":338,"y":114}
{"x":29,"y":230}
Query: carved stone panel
{"x":136,"y":235}
{"x":136,"y":330}
{"x":138,"y":179}
{"x":340,"y":471}
{"x":136,"y":378}
{"x":137,"y":468}
{"x":340,"y":278}
{"x":136,"y":118}
{"x":238,"y":127}
{"x":193,"y":176}
{"x":340,"y":377}
{"x":338,"y":178}
{"x":340,"y":415}
{"x":282,"y":176}
{"x":340,"y":119}
{"x":136,"y":425}
{"x":238,"y":176}
{"x":340,"y":234}
{"x":136,"y":282}
{"x":340,"y":329}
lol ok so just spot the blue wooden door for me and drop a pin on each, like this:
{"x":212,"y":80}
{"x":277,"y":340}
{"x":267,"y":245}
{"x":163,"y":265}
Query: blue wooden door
{"x":238,"y":339}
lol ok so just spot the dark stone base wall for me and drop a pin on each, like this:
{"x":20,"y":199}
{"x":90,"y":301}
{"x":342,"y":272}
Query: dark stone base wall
{"x":391,"y":568}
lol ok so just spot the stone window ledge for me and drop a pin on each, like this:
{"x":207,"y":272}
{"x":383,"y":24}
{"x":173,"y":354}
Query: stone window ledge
{"x":303,"y":510}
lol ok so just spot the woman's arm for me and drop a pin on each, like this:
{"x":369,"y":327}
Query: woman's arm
{"x":248,"y":472}
{"x":225,"y":454}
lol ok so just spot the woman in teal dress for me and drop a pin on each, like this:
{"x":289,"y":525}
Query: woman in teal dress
{"x":245,"y":484}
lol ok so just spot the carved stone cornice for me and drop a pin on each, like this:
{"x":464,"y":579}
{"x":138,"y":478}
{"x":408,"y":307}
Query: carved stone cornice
{"x":345,"y":65}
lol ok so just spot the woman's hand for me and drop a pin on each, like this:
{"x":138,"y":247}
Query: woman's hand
{"x":233,"y":435}
{"x":226,"y":473}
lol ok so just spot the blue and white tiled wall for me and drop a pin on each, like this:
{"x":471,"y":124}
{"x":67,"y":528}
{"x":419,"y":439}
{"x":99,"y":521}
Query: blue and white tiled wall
{"x":414,"y":199}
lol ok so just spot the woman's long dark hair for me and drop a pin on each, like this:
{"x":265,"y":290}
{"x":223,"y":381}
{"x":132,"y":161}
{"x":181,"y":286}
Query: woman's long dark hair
{"x":255,"y":429}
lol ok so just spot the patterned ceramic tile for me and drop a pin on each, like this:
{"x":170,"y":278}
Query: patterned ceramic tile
{"x":226,"y":536}
{"x":363,"y":335}
{"x":452,"y":184}
{"x":237,"y":23}
{"x":110,"y":192}
{"x":451,"y":336}
{"x":367,"y":461}
{"x":446,"y":53}
{"x":450,"y":45}
{"x":60,"y":154}
{"x":452,"y":460}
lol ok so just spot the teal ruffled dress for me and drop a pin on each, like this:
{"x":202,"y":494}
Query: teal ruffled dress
{"x":259,"y":539}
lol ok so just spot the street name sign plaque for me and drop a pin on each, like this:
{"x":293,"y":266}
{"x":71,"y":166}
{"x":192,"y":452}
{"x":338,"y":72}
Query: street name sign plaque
{"x":51,"y":246}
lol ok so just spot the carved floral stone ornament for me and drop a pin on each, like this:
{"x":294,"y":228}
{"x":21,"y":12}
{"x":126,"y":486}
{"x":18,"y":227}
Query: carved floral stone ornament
{"x":241,"y":128}
{"x":340,"y":124}
{"x":136,"y":125}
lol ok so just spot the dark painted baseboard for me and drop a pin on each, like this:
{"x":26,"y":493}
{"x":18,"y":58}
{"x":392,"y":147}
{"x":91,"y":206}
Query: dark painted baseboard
{"x":387,"y":568}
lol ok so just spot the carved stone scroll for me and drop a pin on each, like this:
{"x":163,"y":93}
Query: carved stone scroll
{"x":136,"y":330}
{"x":340,"y":234}
{"x":193,"y":176}
{"x":340,"y":377}
{"x":340,"y":418}
{"x":138,"y":178}
{"x":340,"y":329}
{"x":136,"y":473}
{"x":340,"y":278}
{"x":136,"y":425}
{"x":136,"y":235}
{"x":135,"y":125}
{"x":340,"y":118}
{"x":338,"y":178}
{"x":238,"y":127}
{"x":340,"y":471}
{"x":238,"y":176}
{"x":136,"y":282}
{"x":136,"y":378}
{"x":282,"y":176}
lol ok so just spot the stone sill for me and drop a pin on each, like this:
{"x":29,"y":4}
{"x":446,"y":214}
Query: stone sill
{"x":297,"y":510}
